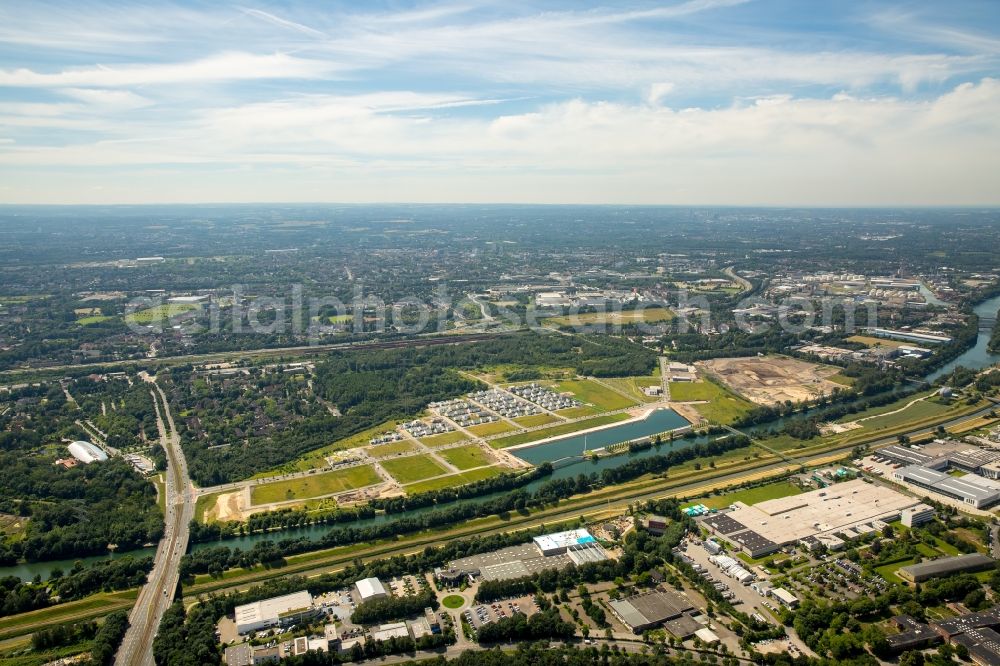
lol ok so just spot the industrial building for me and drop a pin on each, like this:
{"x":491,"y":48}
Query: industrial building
{"x":551,"y":551}
{"x":86,"y":452}
{"x":917,"y":515}
{"x":945,"y":566}
{"x":913,"y":634}
{"x":784,"y":596}
{"x":276,"y":611}
{"x":850,"y":507}
{"x":976,"y":631}
{"x":560,"y":542}
{"x":910,"y":336}
{"x":648,"y":610}
{"x":370,"y":588}
{"x":983,"y":645}
{"x":976,"y":491}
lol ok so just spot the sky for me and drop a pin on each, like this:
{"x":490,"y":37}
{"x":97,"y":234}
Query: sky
{"x":686,"y":102}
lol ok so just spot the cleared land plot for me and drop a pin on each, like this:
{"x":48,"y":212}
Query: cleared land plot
{"x":535,"y":420}
{"x":647,"y":315}
{"x":413,"y":468}
{"x":467,"y":457}
{"x":443,"y":439}
{"x":869,"y":341}
{"x":752,"y":495}
{"x":160,"y":312}
{"x":93,"y":319}
{"x":723,"y":406}
{"x":453,"y":480}
{"x":554,"y":431}
{"x":577,"y":412}
{"x":769,"y":380}
{"x":634,"y":386}
{"x":487,"y":429}
{"x":593,"y":393}
{"x":315,"y":485}
{"x":391,"y":448}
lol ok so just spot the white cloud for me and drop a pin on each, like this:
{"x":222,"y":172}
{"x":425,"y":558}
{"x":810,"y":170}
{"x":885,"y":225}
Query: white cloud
{"x":233,"y":66}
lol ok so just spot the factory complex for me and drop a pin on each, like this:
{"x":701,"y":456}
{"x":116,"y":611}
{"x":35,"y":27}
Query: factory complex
{"x":847,"y":509}
{"x":549,"y":551}
{"x":926,"y":467}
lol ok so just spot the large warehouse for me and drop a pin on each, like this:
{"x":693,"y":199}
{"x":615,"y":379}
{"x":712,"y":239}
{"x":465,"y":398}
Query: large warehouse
{"x":644,"y":611}
{"x":976,"y":491}
{"x":559,"y":542}
{"x":370,"y":588}
{"x":86,"y":452}
{"x":945,"y":566}
{"x":768,"y":526}
{"x":283,"y":610}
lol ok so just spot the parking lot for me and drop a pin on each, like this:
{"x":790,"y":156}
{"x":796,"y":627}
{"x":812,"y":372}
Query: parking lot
{"x":484,"y":614}
{"x":743,"y":597}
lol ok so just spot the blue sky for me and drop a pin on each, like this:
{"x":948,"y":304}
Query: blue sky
{"x":684,"y":102}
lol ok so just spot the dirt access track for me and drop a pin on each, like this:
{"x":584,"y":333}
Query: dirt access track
{"x":768,"y":380}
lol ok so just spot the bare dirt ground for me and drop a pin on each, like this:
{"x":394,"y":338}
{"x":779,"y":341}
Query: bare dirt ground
{"x":768,"y":380}
{"x":228,"y":506}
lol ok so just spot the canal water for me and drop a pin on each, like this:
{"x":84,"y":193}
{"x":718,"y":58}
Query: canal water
{"x":569,"y":448}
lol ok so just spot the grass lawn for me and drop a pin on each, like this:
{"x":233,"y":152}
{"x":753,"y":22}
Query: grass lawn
{"x":634,"y":385}
{"x":487,"y":429}
{"x":593,"y":393}
{"x":160,"y":313}
{"x":919,"y":410}
{"x":452,"y":480}
{"x":204,"y":505}
{"x":443,"y":439}
{"x":92,"y":319}
{"x":564,"y":429}
{"x":466,"y":457}
{"x":888,"y":571}
{"x":391,"y":448}
{"x":577,"y":412}
{"x":413,"y":468}
{"x":752,"y":495}
{"x":535,"y":420}
{"x":723,"y":405}
{"x":841,"y":379}
{"x":945,"y":547}
{"x":453,"y":601}
{"x":315,"y":485}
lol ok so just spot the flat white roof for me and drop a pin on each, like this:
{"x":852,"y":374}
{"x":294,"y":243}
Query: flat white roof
{"x":86,"y":452}
{"x":563,"y":539}
{"x":369,"y":587}
{"x":269,"y":610}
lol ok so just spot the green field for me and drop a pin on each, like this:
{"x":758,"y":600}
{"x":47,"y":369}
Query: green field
{"x":487,"y":429}
{"x":453,"y":601}
{"x":752,"y":495}
{"x":535,"y":420}
{"x":92,"y":319}
{"x":413,"y":468}
{"x":563,"y":429}
{"x":915,"y":412}
{"x":578,"y":412}
{"x":647,"y":315}
{"x":391,"y":448}
{"x":159,"y":313}
{"x":452,"y":480}
{"x":315,"y":485}
{"x":467,"y":457}
{"x":443,"y":439}
{"x":888,"y":571}
{"x":634,"y":385}
{"x":593,"y":393}
{"x":723,"y":406}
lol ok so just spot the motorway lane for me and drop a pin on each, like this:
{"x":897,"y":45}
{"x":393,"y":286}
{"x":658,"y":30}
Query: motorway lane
{"x":158,"y":593}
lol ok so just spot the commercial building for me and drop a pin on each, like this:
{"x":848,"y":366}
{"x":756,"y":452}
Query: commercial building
{"x":917,"y":515}
{"x":910,"y":336}
{"x":973,"y":490}
{"x":370,"y":588}
{"x":648,"y":610}
{"x":386,"y":631}
{"x":784,"y":596}
{"x":86,"y":452}
{"x":850,"y":507}
{"x":559,"y":542}
{"x":913,"y":634}
{"x":276,"y":611}
{"x":239,"y":655}
{"x":983,"y":645}
{"x":945,"y":566}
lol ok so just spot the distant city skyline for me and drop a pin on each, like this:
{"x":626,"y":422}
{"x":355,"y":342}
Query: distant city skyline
{"x":687,"y":102}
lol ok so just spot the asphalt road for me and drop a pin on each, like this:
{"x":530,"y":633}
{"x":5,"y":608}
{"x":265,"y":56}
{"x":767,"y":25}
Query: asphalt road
{"x":158,"y":592}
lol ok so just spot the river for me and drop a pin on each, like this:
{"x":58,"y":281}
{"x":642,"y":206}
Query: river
{"x":978,"y":356}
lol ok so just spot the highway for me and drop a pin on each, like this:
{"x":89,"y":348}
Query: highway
{"x":158,"y":592}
